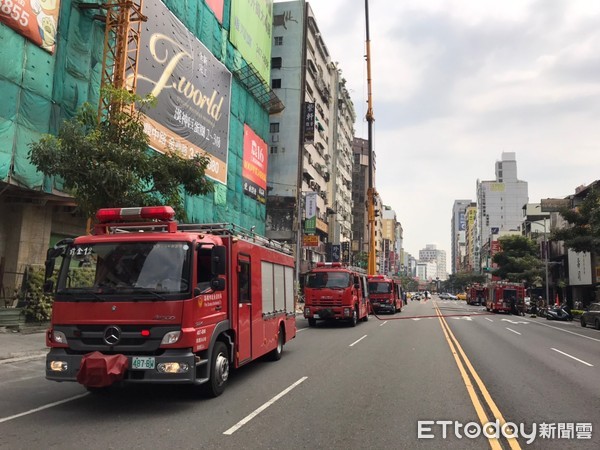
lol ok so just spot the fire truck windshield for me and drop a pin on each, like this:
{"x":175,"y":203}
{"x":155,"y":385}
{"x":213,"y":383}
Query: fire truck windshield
{"x":126,"y":267}
{"x":332,"y":280}
{"x":379,"y":287}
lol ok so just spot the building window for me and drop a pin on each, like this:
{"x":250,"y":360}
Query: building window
{"x":273,"y":150}
{"x":276,"y":63}
{"x":278,"y":40}
{"x":274,"y":127}
{"x":276,"y":83}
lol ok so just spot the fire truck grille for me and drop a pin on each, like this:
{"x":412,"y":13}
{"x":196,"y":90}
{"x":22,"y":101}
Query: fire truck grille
{"x":327,"y":302}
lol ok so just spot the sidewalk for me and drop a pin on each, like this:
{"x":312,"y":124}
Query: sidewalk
{"x":28,"y":343}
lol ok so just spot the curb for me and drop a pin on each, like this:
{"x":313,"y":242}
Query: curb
{"x":20,"y":357}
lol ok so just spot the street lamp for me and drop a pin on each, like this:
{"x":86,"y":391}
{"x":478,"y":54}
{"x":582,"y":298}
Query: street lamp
{"x":545,"y":255}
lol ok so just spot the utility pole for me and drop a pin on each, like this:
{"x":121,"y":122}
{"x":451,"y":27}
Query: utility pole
{"x":371,"y":265}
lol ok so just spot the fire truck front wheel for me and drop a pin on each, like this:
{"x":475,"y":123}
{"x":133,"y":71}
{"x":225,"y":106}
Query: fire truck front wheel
{"x":219,"y":371}
{"x":354,"y":318}
{"x":312,"y":322}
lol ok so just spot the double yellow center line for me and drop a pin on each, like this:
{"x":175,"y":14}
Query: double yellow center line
{"x":466,"y":368}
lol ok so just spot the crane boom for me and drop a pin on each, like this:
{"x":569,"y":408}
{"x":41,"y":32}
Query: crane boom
{"x":371,"y":262}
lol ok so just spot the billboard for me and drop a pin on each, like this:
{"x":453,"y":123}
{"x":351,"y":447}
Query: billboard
{"x":34,"y":20}
{"x":309,"y":122}
{"x":217,"y":7}
{"x":580,"y":268}
{"x":192,"y":89}
{"x":254,"y":166}
{"x":310,"y":213}
{"x":251,"y":28}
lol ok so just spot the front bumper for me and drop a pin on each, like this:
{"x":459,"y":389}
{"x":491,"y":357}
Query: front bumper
{"x":336,"y":313}
{"x":73,"y":362}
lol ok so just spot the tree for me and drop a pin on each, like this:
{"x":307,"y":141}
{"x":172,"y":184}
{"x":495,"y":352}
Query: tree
{"x":460,"y":280}
{"x":584,"y":233}
{"x":518,"y":260}
{"x":108,"y":163}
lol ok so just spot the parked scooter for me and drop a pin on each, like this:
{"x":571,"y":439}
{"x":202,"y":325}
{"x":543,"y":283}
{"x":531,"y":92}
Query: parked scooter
{"x":562,"y":312}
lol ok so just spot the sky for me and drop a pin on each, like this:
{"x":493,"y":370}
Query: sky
{"x":456,"y":83}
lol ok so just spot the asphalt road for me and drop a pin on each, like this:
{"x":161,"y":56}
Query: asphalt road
{"x":341,"y":387}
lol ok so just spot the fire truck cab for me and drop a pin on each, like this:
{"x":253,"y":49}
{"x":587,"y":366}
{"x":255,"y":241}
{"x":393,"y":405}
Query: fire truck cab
{"x":384,"y":294}
{"x":147,"y":300}
{"x":336,"y":292}
{"x":504,"y":296}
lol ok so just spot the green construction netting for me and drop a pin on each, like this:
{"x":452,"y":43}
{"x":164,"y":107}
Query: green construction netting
{"x":39,"y":90}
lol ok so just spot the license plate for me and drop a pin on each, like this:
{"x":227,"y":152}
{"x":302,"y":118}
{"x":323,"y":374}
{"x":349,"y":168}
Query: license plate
{"x":142,"y":362}
{"x":316,"y":316}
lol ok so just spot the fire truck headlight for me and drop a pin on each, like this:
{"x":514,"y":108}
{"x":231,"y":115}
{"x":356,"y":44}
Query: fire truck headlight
{"x":58,"y":366}
{"x":346,"y":312}
{"x":306,"y":312}
{"x":171,"y":337}
{"x":59,"y":337}
{"x":173,"y":367}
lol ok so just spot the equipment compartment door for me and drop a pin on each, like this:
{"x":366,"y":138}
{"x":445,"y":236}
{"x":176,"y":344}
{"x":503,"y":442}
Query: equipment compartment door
{"x":244,"y":334}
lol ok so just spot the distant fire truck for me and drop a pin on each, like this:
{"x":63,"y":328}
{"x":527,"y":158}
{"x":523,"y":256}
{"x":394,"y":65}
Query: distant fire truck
{"x":336,"y":292}
{"x":477,"y":294}
{"x":503,"y":295}
{"x":385,"y":294}
{"x":147,"y":300}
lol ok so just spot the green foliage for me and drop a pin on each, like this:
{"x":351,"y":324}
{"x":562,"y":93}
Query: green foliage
{"x":518,"y":260}
{"x":576,"y":312}
{"x":108,"y":163}
{"x":583,"y":234}
{"x":458,"y":282}
{"x":38,"y":304}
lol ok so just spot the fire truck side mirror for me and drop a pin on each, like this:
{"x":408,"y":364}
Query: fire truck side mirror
{"x":217,"y":284}
{"x":218,"y":260}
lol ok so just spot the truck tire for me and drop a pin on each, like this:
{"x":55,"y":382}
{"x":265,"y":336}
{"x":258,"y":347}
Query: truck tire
{"x":354,"y":319}
{"x":597,"y":324}
{"x":275,"y":355}
{"x":312,"y":322}
{"x":219,"y":371}
{"x":582,"y":321}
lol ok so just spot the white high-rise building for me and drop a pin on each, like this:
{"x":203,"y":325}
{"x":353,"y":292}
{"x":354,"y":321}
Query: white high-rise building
{"x":431,"y":254}
{"x":499,"y":206}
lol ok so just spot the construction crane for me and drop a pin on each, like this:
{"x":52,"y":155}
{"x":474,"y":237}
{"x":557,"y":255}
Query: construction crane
{"x":371,"y":193}
{"x":121,"y":49}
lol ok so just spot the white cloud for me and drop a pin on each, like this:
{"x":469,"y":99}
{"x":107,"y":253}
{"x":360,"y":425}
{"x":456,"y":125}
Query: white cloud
{"x":456,"y":83}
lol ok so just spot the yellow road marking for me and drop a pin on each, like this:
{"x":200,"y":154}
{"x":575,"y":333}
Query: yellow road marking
{"x":453,"y":343}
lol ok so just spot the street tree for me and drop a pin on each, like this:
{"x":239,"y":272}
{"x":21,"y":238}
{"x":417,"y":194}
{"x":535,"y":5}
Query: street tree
{"x":458,"y":282}
{"x":583,"y":232}
{"x":108,"y":163}
{"x":518,"y":260}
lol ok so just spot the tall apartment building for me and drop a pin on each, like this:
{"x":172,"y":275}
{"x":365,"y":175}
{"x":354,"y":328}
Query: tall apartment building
{"x":389,"y":238}
{"x":431,"y":254}
{"x":470,"y":237}
{"x":360,"y":185}
{"x":499,"y":204}
{"x":458,"y":226}
{"x":310,"y":146}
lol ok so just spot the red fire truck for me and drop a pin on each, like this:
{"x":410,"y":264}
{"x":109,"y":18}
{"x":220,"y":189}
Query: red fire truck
{"x":384,"y":294}
{"x":336,"y":292}
{"x":477,"y":294}
{"x":502,"y":294}
{"x":147,"y":300}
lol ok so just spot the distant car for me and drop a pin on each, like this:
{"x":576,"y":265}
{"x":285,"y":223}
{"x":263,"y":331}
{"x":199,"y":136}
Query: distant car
{"x":591,"y":316}
{"x":447,"y":296}
{"x":452,"y":297}
{"x":461,"y":296}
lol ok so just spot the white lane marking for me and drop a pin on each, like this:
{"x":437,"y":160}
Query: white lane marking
{"x":516,"y":332}
{"x":462,"y":318}
{"x":41,"y":408}
{"x":516,"y":322}
{"x":416,"y":318}
{"x":566,"y":331}
{"x":357,"y":341}
{"x":489,"y":319}
{"x":257,"y":411}
{"x":383,"y":323}
{"x":576,"y":359}
{"x":298,"y":330}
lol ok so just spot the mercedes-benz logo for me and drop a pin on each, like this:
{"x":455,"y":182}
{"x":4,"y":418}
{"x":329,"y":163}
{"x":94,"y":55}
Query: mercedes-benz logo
{"x":112,"y":335}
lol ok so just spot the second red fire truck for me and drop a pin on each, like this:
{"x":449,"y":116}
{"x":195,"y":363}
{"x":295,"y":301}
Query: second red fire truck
{"x":504,"y":296}
{"x":336,"y":292}
{"x":147,"y":300}
{"x":385,"y":294}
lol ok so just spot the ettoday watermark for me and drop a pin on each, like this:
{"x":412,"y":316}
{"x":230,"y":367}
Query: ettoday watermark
{"x":431,"y":429}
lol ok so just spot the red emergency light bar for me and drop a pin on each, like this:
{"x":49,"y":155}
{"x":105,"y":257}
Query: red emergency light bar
{"x":329,"y":264}
{"x":106,"y":215}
